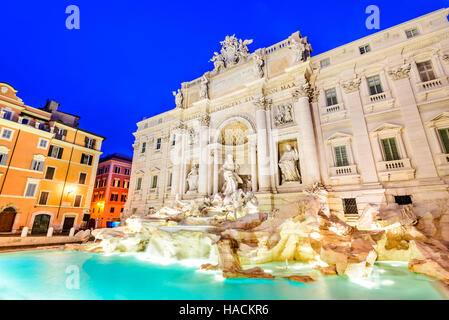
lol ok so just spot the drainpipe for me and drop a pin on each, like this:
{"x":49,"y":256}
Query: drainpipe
{"x":66,"y":175}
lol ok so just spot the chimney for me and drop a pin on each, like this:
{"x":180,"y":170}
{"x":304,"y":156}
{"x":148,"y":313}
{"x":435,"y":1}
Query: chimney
{"x":51,"y":106}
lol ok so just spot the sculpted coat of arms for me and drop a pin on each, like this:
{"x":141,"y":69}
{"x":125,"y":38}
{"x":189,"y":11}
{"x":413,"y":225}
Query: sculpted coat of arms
{"x":232,"y":52}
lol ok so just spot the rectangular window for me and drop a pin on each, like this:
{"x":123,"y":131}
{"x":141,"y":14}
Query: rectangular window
{"x":173,"y":141}
{"x":325,"y":63}
{"x":144,"y":147}
{"x":8,"y":115}
{"x":83,"y":177}
{"x":350,"y":206}
{"x":3,"y":159}
{"x":112,"y":210}
{"x":139,"y":184}
{"x":365,"y":49}
{"x":426,"y":71}
{"x":170,"y":179}
{"x":374,"y":85}
{"x":77,"y":202}
{"x":25,"y":121}
{"x":411,"y":33}
{"x":114,"y":197}
{"x":37,"y":165}
{"x":127,"y":172}
{"x":117,"y":170}
{"x":7,"y":134}
{"x":444,"y":135}
{"x":89,"y":143}
{"x":43,"y":143}
{"x":331,"y":97}
{"x":55,"y":152}
{"x":60,"y":134}
{"x":126,"y":184}
{"x":31,"y":190}
{"x":43,"y":199}
{"x":341,"y":157}
{"x":123,"y":198}
{"x":116,"y":183}
{"x":154,"y":182}
{"x":50,"y":174}
{"x":158,"y":143}
{"x":86,"y":159}
{"x":403,"y":200}
{"x":390,"y":149}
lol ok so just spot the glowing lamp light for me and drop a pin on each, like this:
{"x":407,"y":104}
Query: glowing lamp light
{"x":71,"y":189}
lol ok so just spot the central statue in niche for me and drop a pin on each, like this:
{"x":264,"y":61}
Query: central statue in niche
{"x":288,"y":165}
{"x":232,"y":179}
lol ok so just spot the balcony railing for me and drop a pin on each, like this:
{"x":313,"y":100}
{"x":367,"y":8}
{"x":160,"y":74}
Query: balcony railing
{"x":394,"y":165}
{"x":341,"y":171}
{"x":333,"y":108}
{"x":378,"y":97}
{"x":432,"y":84}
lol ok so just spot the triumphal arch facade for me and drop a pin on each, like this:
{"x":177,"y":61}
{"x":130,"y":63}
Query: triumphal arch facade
{"x":366,"y":124}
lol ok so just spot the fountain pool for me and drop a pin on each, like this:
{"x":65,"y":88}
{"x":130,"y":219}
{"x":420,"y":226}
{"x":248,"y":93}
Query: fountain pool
{"x":42,"y":275}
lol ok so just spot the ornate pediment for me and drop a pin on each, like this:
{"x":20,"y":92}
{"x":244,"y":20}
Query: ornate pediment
{"x":338,"y":136}
{"x":387,"y":127}
{"x":441,"y":119}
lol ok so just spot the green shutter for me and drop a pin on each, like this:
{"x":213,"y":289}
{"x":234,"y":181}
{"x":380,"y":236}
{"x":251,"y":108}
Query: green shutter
{"x":390,"y":149}
{"x":341,"y":156}
{"x":444,"y":135}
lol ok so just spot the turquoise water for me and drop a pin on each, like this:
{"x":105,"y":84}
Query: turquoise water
{"x":42,"y":275}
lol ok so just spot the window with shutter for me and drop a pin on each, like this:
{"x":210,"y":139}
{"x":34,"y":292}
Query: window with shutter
{"x":43,"y":199}
{"x":341,"y":157}
{"x":390,"y":149}
{"x":3,"y":158}
{"x":444,"y":135}
{"x":50,"y":173}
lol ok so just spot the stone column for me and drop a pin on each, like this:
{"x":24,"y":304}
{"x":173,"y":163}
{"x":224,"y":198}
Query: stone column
{"x":420,"y":153}
{"x":216,"y":155}
{"x":362,"y":143}
{"x":263,"y":155}
{"x":177,"y":161}
{"x":253,"y":158}
{"x":310,"y":173}
{"x":204,"y":155}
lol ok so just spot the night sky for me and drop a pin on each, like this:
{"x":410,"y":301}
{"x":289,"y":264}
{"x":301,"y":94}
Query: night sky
{"x":128,"y":56}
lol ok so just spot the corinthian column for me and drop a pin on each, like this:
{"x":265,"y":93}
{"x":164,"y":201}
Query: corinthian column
{"x":303,"y":117}
{"x":204,"y":155}
{"x":263,"y":156}
{"x":175,"y":156}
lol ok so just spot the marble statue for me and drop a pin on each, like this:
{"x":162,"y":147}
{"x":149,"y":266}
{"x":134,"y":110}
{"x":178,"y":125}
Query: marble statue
{"x":259,"y":63}
{"x":232,"y":179}
{"x":204,"y":89}
{"x":232,"y":52}
{"x":288,"y":166}
{"x":178,"y":98}
{"x":302,"y":49}
{"x":192,"y":179}
{"x":193,"y":137}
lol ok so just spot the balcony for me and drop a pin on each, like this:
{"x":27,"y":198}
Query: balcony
{"x":378,"y":102}
{"x":433,"y":89}
{"x":442,"y":161}
{"x":344,"y":175}
{"x":396,"y":170}
{"x":333,"y":113}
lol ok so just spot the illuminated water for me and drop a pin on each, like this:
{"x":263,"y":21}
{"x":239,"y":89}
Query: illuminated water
{"x":42,"y":275}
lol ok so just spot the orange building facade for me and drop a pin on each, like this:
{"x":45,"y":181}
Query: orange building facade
{"x":47,"y":167}
{"x":110,"y":191}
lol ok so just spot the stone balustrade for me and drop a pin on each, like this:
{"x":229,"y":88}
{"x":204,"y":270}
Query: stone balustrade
{"x":395,"y":170}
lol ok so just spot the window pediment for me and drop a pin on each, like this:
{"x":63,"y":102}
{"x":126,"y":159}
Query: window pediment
{"x":339,"y":137}
{"x":440,"y":120}
{"x":387,"y":128}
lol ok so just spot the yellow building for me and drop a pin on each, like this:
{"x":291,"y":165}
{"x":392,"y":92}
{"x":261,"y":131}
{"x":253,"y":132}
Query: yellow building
{"x":47,"y":167}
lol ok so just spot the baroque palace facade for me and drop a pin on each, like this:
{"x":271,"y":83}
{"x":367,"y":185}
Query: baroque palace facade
{"x":368,"y":120}
{"x":47,"y":167}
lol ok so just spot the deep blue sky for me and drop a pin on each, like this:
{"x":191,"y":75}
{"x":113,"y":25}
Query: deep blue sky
{"x":128,"y":56}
